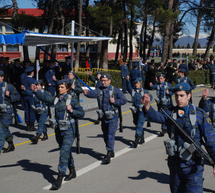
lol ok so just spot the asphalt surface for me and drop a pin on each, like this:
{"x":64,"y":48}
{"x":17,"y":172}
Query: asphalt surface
{"x":32,"y":168}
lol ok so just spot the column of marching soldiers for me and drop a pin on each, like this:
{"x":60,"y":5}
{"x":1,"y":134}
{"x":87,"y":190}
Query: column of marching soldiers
{"x":56,"y":99}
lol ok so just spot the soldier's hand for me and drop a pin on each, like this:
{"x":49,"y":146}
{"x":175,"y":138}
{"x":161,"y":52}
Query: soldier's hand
{"x":7,"y":93}
{"x":54,"y":78}
{"x":145,"y":100}
{"x":112,"y":100}
{"x":150,"y":84}
{"x":22,"y":87}
{"x":85,"y":91}
{"x":127,"y":77}
{"x":69,"y":108}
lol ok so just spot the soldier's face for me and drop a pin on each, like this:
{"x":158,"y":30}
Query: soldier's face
{"x":105,"y":82}
{"x":161,"y":79}
{"x":137,"y":85}
{"x":1,"y":78}
{"x":182,"y":98}
{"x":70,"y":76}
{"x":62,"y":89}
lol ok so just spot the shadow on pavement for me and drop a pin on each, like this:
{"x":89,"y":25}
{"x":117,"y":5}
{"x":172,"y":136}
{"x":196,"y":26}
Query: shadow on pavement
{"x":23,"y":135}
{"x":27,"y":165}
{"x":160,"y":177}
{"x":208,"y":190}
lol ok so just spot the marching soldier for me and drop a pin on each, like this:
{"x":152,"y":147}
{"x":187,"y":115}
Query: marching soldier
{"x":185,"y":164}
{"x":41,"y":112}
{"x":164,"y":94}
{"x":8,"y":95}
{"x":136,"y":109}
{"x":110,"y":98}
{"x":66,"y":110}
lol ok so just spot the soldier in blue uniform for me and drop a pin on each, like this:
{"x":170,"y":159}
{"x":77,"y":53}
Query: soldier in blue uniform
{"x":50,"y":78}
{"x":186,"y":170}
{"x":26,"y":82}
{"x":124,"y":75}
{"x":208,"y":105}
{"x":66,"y":110}
{"x":110,"y":98}
{"x":137,"y":112}
{"x":95,"y":79}
{"x":75,"y":84}
{"x":164,"y":93}
{"x":41,"y":111}
{"x":8,"y":95}
{"x":134,"y":74}
{"x":211,"y":67}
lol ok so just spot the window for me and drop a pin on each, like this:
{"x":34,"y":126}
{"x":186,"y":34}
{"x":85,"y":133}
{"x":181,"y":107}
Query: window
{"x":62,"y":48}
{"x":12,"y":48}
{"x":1,"y":48}
{"x":8,"y":28}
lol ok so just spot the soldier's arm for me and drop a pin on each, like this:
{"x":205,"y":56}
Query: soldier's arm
{"x":14,"y":95}
{"x":92,"y":94}
{"x":78,"y":89}
{"x":208,"y":132}
{"x":45,"y":97}
{"x":120,"y":98}
{"x":77,"y":110}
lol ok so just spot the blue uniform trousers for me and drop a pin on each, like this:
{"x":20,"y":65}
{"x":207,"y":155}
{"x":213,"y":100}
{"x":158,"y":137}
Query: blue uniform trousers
{"x":65,"y":140}
{"x":140,"y":124}
{"x":29,"y":112}
{"x":5,"y":133}
{"x":185,"y":177}
{"x":124,"y":85}
{"x":139,"y":120}
{"x":41,"y":119}
{"x":109,"y":128}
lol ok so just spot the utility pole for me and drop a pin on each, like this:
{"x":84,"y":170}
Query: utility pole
{"x":72,"y":43}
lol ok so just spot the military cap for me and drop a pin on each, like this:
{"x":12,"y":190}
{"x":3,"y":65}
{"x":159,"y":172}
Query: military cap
{"x":138,"y":80}
{"x":29,"y":69}
{"x":1,"y":73}
{"x":108,"y":76}
{"x":161,"y":75}
{"x":182,"y":70}
{"x":39,"y":82}
{"x":182,"y":87}
{"x":63,"y":81}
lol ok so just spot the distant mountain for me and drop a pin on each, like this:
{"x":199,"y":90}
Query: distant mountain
{"x":184,"y":41}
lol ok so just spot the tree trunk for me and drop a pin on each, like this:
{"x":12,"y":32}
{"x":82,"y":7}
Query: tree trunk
{"x":25,"y":53}
{"x":210,"y":41}
{"x":99,"y":51}
{"x":151,"y":40}
{"x":199,"y":20}
{"x":166,"y":38}
{"x":77,"y":61}
{"x":141,"y":41}
{"x":105,"y":54}
{"x":125,"y":42}
{"x":118,"y":46}
{"x":145,"y":36}
{"x":171,"y":42}
{"x":131,"y":36}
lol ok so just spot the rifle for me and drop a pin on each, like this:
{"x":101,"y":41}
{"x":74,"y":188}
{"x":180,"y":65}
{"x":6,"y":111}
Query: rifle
{"x":197,"y":147}
{"x":120,"y":120}
{"x":77,"y":135}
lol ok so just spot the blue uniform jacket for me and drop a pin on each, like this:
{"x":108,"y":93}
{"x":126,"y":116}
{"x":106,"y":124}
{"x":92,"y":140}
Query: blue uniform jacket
{"x":49,"y":77}
{"x":105,"y":103}
{"x":60,"y":107}
{"x":124,"y":71}
{"x":204,"y":130}
{"x":137,"y":95}
{"x":186,"y":80}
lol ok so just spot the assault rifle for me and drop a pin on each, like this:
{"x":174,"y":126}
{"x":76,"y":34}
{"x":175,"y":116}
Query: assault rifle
{"x":197,"y":147}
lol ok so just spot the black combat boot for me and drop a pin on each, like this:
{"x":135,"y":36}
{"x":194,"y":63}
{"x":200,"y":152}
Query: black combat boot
{"x":106,"y":160}
{"x":142,"y":140}
{"x":97,"y":122}
{"x":57,"y":184}
{"x":148,"y":124}
{"x":72,"y":174}
{"x":136,"y":141}
{"x":10,"y":147}
{"x":35,"y":139}
{"x":45,"y":137}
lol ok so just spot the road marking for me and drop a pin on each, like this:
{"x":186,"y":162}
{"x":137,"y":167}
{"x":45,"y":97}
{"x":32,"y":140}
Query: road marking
{"x":96,"y":164}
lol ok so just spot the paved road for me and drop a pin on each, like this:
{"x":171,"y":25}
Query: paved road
{"x":31,"y":168}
